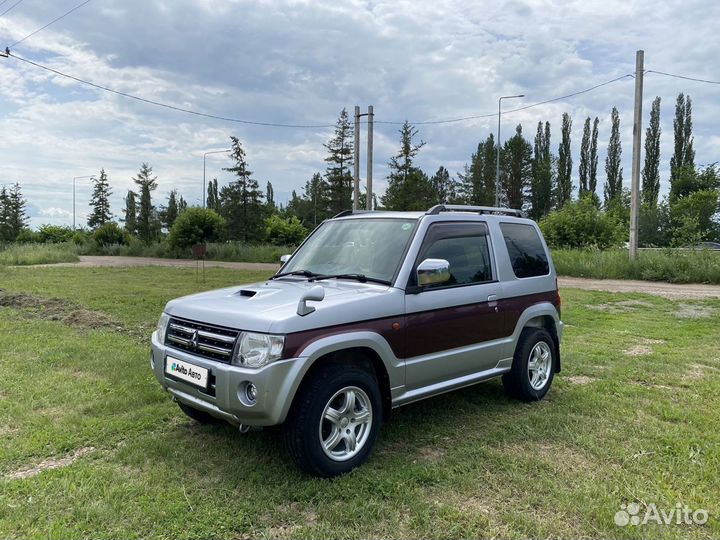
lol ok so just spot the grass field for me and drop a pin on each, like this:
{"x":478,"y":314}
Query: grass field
{"x":92,"y":448}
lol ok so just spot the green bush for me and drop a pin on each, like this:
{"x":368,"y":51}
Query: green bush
{"x":284,"y":231}
{"x":195,"y":226}
{"x":28,"y":236}
{"x":581,"y":224}
{"x":25,"y":254}
{"x":109,"y":234}
{"x":55,"y":234}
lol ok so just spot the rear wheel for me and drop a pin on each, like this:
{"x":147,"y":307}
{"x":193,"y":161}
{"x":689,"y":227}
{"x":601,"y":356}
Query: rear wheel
{"x":533,"y":366}
{"x":197,"y":415}
{"x":334,"y":421}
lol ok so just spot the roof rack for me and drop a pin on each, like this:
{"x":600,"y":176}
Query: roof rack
{"x":351,"y":212}
{"x":435,"y":210}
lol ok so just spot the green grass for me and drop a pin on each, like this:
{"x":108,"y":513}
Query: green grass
{"x":25,"y":254}
{"x":632,"y":418}
{"x":675,"y":266}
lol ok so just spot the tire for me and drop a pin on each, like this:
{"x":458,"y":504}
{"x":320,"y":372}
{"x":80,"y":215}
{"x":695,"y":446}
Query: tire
{"x":523,"y":383}
{"x":199,"y":416}
{"x":324,"y":412}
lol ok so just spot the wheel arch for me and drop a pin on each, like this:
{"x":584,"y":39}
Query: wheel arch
{"x":544,"y":316}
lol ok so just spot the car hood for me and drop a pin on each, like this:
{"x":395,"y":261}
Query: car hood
{"x":271,"y":306}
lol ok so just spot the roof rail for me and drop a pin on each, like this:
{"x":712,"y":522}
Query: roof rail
{"x":352,"y":212}
{"x":435,"y":210}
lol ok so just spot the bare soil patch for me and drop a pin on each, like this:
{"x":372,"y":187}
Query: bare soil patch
{"x":637,"y":350}
{"x":690,"y":311}
{"x":57,"y":309}
{"x":49,"y":464}
{"x":579,"y":379}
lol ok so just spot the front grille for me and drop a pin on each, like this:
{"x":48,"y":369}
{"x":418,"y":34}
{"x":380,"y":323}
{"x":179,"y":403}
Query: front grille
{"x":200,"y":339}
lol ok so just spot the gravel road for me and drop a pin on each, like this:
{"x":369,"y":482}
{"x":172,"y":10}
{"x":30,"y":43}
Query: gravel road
{"x":674,"y":291}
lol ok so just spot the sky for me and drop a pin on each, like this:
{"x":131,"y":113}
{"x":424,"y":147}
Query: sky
{"x":302,"y":62}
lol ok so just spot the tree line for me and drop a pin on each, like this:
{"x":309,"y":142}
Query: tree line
{"x":533,"y":177}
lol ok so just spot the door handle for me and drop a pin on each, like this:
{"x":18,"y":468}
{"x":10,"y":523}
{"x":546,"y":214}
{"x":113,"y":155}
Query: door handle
{"x":492,"y":298}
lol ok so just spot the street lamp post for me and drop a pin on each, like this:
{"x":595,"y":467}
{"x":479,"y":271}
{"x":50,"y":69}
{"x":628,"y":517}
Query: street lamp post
{"x":78,"y":178}
{"x":205,"y":155}
{"x":497,"y":168}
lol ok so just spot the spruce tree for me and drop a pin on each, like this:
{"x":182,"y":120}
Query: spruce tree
{"x":613,"y":162}
{"x":516,"y":166}
{"x":130,"y":212}
{"x":592,"y":173}
{"x":171,"y":211}
{"x":651,"y":169}
{"x":542,"y":174}
{"x":682,"y":161}
{"x":148,"y":224}
{"x":241,"y":201}
{"x":100,"y":202}
{"x":4,"y":215}
{"x":340,"y":161}
{"x":564,"y":164}
{"x":584,"y":167}
{"x":408,"y":187}
{"x":13,"y":218}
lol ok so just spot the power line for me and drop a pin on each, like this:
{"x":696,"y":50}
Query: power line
{"x":491,"y":115}
{"x":51,"y":22}
{"x":167,"y":106}
{"x":2,"y":2}
{"x":682,"y":77}
{"x":11,"y":7}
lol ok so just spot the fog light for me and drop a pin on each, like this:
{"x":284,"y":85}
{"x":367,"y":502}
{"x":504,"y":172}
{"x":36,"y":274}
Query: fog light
{"x":251,"y":392}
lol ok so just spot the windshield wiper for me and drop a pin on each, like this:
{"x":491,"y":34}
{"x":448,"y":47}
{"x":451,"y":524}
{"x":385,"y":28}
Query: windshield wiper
{"x":362,"y":278}
{"x":305,"y":273}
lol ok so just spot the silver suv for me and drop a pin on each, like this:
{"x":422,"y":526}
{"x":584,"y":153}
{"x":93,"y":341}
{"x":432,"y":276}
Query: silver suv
{"x":373,"y":311}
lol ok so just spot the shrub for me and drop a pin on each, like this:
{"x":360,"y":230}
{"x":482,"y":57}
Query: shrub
{"x":581,"y":224}
{"x":55,"y":234}
{"x":28,"y":236}
{"x":24,"y":254}
{"x":195,"y":226}
{"x":109,"y":234}
{"x":284,"y":231}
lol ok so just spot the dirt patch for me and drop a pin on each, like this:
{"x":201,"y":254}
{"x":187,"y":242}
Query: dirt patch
{"x":579,"y":379}
{"x":690,"y":311}
{"x":638,"y":350}
{"x":49,"y":464}
{"x":647,"y":384}
{"x":648,"y":341}
{"x":695,"y":372}
{"x":296,"y":518}
{"x":622,"y":306}
{"x":57,"y":309}
{"x":429,"y":454}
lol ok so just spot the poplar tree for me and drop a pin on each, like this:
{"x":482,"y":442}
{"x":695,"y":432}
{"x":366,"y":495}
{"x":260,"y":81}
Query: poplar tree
{"x":477,"y":182}
{"x":683,"y":158}
{"x":592,"y":173}
{"x":584,"y":167}
{"x":516,"y":168}
{"x":564,"y":164}
{"x":542,"y":174}
{"x":651,"y":168}
{"x":100,"y":202}
{"x":130,"y":212}
{"x":213,"y":199}
{"x":613,"y":162}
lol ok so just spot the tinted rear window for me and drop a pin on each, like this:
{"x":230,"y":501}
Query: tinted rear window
{"x":527,"y":254}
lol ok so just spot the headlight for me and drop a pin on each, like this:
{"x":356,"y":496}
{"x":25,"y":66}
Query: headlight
{"x":257,"y":350}
{"x":162,"y":327}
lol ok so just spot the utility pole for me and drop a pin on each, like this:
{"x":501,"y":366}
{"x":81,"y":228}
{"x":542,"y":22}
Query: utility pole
{"x":369,"y":193}
{"x":637,"y":136}
{"x":356,"y":162}
{"x":497,"y":164}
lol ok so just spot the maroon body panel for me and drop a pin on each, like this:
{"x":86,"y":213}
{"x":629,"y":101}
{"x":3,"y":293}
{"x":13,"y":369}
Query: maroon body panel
{"x":435,"y":330}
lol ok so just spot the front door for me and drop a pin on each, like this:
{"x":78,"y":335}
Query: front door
{"x":450,"y":327}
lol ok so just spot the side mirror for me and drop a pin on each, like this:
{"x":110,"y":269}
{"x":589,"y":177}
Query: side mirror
{"x":284,"y":258}
{"x":316,"y":294}
{"x":433,"y":272}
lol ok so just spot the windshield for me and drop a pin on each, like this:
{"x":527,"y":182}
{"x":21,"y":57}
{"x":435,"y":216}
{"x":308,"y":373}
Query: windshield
{"x":371,"y":247}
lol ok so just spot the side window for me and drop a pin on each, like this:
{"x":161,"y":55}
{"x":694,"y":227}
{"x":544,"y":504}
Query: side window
{"x":464,"y":246}
{"x":527,"y":255}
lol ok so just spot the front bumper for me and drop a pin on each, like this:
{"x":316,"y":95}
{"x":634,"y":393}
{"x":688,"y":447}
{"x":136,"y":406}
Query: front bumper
{"x":276,"y":384}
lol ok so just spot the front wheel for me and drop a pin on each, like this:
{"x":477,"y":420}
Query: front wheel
{"x":335,"y":420}
{"x":533,"y":366}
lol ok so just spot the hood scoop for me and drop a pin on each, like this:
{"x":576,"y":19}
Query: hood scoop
{"x":246,"y":293}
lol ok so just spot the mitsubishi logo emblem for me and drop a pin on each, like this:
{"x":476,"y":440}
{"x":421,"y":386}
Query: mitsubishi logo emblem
{"x":194,"y":339}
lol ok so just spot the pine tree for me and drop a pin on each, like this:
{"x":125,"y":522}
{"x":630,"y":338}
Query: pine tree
{"x":516,"y":164}
{"x":213,"y":200}
{"x":340,"y":161}
{"x":100,"y":202}
{"x":542,"y":174}
{"x":148,"y":223}
{"x":613,"y":162}
{"x":592,"y":173}
{"x":651,"y":169}
{"x":683,"y":158}
{"x":477,"y":182}
{"x":130,"y":212}
{"x":584,"y":167}
{"x":241,"y":201}
{"x":5,"y":216}
{"x":171,"y":211}
{"x":564,"y":164}
{"x":408,"y":187}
